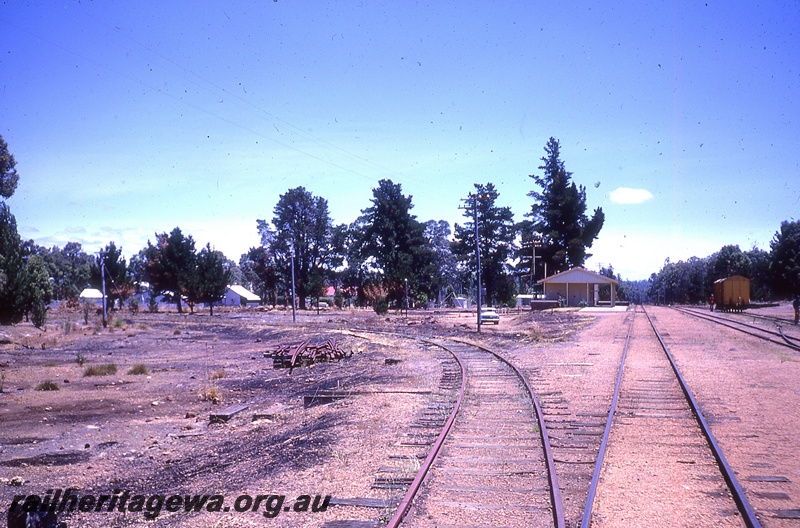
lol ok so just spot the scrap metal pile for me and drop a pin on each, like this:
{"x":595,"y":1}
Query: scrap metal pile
{"x":305,"y":354}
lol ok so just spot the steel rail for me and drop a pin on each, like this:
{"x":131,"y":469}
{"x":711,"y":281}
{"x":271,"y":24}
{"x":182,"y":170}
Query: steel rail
{"x":587,"y":510}
{"x":745,"y":509}
{"x":772,"y":318}
{"x":776,"y":321}
{"x":555,"y":491}
{"x":411,"y":492}
{"x":785,"y":338}
{"x":737,"y":325}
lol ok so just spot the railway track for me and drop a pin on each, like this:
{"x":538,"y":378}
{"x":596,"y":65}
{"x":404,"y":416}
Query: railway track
{"x":683,"y":477}
{"x":770,"y":328}
{"x":493,"y":465}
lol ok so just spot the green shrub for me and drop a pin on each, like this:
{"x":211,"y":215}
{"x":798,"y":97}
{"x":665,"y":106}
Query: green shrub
{"x":48,"y":386}
{"x":381,"y":306}
{"x":38,"y":311}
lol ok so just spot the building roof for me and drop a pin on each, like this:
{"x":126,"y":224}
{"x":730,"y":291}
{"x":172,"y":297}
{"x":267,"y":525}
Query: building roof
{"x":91,"y":293}
{"x":735,"y":277}
{"x":578,"y":275}
{"x":243,"y":292}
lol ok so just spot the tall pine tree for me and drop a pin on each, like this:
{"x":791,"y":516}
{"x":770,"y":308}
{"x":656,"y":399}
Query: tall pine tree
{"x":210,"y":280}
{"x":170,"y":264}
{"x":303,"y":225}
{"x":390,"y":241}
{"x":558,"y":214}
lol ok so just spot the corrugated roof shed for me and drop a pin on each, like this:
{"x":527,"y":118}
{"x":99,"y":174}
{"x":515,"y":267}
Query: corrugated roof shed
{"x":244,"y":293}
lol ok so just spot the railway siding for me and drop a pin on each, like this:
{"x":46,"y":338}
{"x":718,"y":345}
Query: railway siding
{"x":749,"y":393}
{"x":492,"y":469}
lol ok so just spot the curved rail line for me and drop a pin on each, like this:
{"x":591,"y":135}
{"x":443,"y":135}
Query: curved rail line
{"x":772,"y":318}
{"x":555,"y":494}
{"x":413,"y":488}
{"x":749,"y":329}
{"x":745,"y":509}
{"x":587,"y":511}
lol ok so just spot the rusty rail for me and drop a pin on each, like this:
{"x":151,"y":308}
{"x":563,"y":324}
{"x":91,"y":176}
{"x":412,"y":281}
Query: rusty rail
{"x":287,"y":356}
{"x":559,"y":519}
{"x":745,"y":509}
{"x":740,"y":326}
{"x":413,"y":488}
{"x":555,"y":490}
{"x":587,"y":510}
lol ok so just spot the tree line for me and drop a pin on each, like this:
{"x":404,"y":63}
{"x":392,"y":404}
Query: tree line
{"x":383,"y":254}
{"x":773,"y":274}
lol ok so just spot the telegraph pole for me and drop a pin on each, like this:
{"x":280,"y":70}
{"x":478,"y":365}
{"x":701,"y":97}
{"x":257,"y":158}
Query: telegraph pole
{"x":103,"y":280}
{"x":406,"y":299}
{"x":294,"y":308}
{"x":535,"y":243}
{"x":477,"y":255}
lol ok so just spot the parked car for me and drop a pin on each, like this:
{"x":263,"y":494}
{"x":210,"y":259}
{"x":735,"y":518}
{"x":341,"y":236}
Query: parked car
{"x":489,"y":316}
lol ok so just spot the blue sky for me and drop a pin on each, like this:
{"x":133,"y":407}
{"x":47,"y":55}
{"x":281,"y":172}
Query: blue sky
{"x":131,"y":118}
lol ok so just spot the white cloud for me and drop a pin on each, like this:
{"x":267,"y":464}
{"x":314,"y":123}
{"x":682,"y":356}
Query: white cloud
{"x":626,"y":195}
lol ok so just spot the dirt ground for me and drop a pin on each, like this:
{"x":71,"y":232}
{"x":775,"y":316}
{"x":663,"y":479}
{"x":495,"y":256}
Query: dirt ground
{"x":149,"y":433}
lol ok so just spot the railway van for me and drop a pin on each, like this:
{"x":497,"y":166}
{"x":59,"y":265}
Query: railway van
{"x":732,"y":293}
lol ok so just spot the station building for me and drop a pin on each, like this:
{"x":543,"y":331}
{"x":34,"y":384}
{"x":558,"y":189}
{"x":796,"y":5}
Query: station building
{"x":577,"y":287}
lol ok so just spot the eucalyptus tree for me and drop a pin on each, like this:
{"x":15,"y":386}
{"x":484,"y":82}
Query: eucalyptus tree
{"x":260,"y":273}
{"x":8,"y":172}
{"x":785,"y":259}
{"x":13,"y":276}
{"x":118,"y":281}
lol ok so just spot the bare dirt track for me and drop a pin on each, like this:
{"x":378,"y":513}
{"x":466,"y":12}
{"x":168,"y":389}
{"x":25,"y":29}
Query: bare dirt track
{"x":151,"y":434}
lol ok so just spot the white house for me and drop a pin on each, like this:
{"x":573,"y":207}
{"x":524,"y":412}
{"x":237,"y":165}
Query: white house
{"x":237,"y":295}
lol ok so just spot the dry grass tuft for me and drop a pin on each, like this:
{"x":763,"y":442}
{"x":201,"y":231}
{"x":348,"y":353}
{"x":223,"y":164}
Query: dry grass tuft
{"x":534,"y":333}
{"x":139,"y":369}
{"x":212,"y":394}
{"x":100,"y":370}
